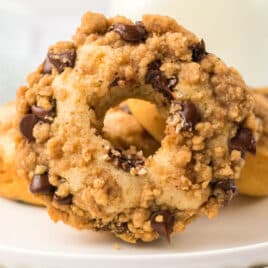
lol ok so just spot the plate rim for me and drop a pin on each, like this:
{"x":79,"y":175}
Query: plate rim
{"x":114,"y":255}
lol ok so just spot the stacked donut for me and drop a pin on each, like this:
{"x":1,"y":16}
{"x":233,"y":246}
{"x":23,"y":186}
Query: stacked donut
{"x":93,"y":180}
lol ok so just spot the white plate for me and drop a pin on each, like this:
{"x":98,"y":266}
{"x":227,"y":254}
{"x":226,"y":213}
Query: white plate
{"x":237,"y":238}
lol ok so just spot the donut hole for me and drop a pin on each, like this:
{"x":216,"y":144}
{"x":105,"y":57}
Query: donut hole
{"x":124,"y":131}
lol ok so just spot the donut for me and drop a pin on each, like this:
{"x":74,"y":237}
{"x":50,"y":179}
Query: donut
{"x":87,"y":182}
{"x":148,"y":116}
{"x":254,"y":178}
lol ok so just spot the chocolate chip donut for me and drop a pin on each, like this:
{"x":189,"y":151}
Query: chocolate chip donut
{"x":87,"y":182}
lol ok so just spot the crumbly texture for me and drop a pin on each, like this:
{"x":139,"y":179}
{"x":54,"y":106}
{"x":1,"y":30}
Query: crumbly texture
{"x":120,"y":127}
{"x":88,"y":183}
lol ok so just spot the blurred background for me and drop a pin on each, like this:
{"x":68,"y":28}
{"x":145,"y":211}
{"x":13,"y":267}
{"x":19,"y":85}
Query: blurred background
{"x":235,"y":30}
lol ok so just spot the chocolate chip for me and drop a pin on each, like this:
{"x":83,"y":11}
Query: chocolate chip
{"x":42,"y":114}
{"x":131,"y":33}
{"x":159,"y":81}
{"x":162,"y":222}
{"x":40,"y":185}
{"x":154,"y":65}
{"x":153,"y":69}
{"x":228,"y":187}
{"x":26,"y":126}
{"x":243,"y":141}
{"x":126,"y":162}
{"x":190,"y":115}
{"x":225,"y":185}
{"x":47,"y":67}
{"x":114,"y":82}
{"x":63,"y":200}
{"x":62,"y":60}
{"x":199,"y":51}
